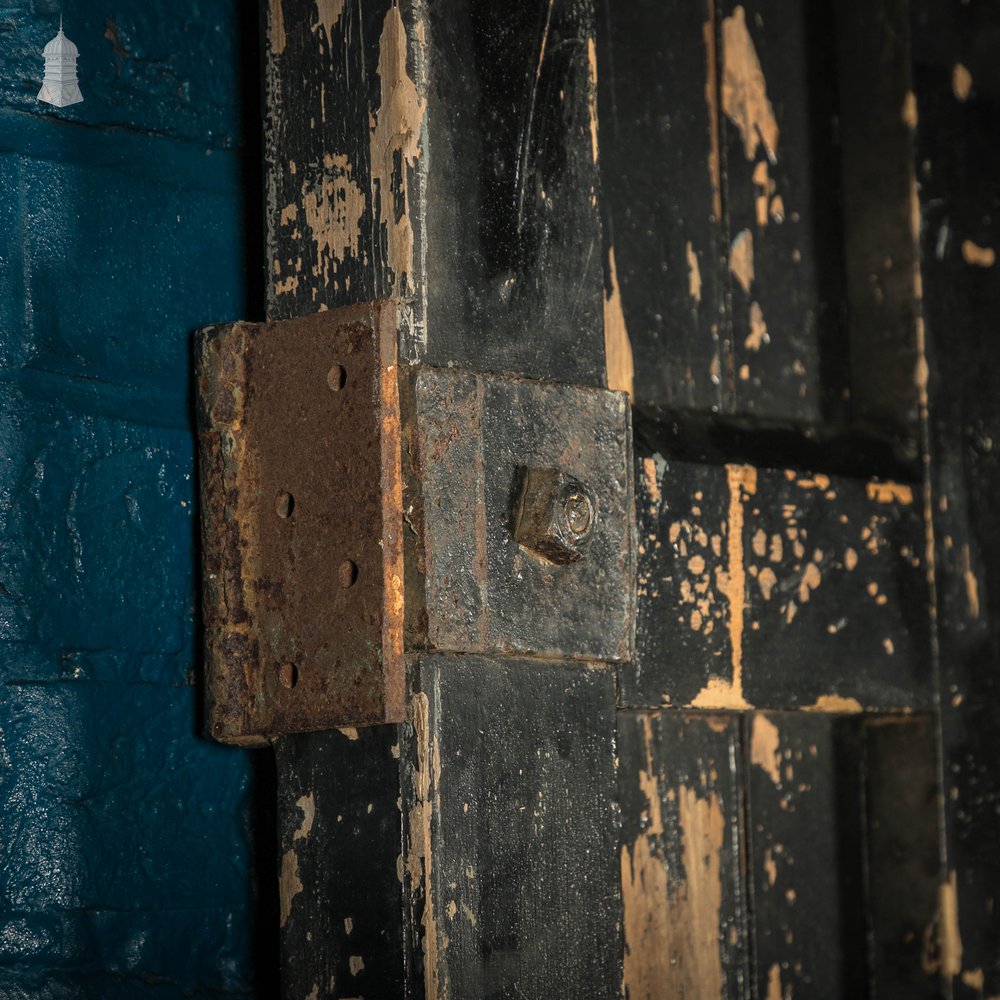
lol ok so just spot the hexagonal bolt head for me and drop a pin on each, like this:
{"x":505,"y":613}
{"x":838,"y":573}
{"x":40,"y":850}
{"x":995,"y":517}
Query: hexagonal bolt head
{"x":555,"y":515}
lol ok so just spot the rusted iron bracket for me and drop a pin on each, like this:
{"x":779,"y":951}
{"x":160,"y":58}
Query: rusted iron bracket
{"x":354,"y":511}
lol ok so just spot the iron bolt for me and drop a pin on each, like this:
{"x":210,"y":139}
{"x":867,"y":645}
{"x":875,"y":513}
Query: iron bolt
{"x":556,"y":515}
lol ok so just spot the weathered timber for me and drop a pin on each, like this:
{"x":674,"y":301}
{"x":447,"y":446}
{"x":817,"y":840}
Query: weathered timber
{"x":445,"y":154}
{"x":684,"y":906}
{"x":956,"y":217}
{"x":662,"y":202}
{"x":777,"y":589}
{"x":511,"y":843}
{"x":805,"y":851}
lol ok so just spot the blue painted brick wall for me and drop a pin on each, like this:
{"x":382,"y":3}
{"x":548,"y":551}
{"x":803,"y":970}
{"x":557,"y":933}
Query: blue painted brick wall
{"x":125,"y":849}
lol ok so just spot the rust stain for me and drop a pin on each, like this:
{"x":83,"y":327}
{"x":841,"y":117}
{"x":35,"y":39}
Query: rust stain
{"x":765,"y":741}
{"x":712,"y":102}
{"x":942,"y":951}
{"x":395,"y":137}
{"x":741,"y":259}
{"x":721,"y":692}
{"x":617,"y":347}
{"x":961,"y":82}
{"x":328,"y":14}
{"x":289,"y":884}
{"x":694,"y":273}
{"x":978,"y":256}
{"x":307,"y":803}
{"x":672,"y":919}
{"x":276,"y":24}
{"x":889,"y":492}
{"x":744,"y":89}
{"x":834,"y":703}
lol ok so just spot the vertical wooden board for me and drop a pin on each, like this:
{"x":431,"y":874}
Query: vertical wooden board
{"x":512,"y":830}
{"x":326,"y":236}
{"x":877,"y":112}
{"x":340,"y":834}
{"x":661,"y":196}
{"x":781,"y":196}
{"x":903,"y":852}
{"x":684,"y":909}
{"x":804,"y":819}
{"x":956,"y":85}
{"x":511,"y":220}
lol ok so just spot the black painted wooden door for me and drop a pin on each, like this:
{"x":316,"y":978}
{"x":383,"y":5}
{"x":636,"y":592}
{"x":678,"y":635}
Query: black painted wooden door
{"x":773,"y":225}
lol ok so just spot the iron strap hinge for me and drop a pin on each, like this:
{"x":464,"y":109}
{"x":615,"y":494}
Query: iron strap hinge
{"x":355,"y":511}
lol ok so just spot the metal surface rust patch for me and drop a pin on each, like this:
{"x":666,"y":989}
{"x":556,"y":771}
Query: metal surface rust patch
{"x":301,"y":518}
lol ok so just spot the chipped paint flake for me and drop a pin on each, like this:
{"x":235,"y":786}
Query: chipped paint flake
{"x":328,"y":14}
{"x":671,"y":922}
{"x":978,"y":256}
{"x":909,"y":110}
{"x":765,"y":742}
{"x":834,"y":703}
{"x":961,"y":82}
{"x":758,"y":335}
{"x":276,"y":27}
{"x":289,"y":884}
{"x":307,"y":803}
{"x":741,"y":259}
{"x":617,"y":346}
{"x":395,"y":148}
{"x":722,"y":692}
{"x":744,"y":90}
{"x":591,"y":93}
{"x":942,"y":950}
{"x":694,"y":273}
{"x":889,"y":492}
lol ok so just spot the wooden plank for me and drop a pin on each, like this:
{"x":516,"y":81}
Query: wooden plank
{"x":661,"y":196}
{"x":357,"y":210}
{"x":903,"y":852}
{"x":685,"y":917}
{"x":340,"y":829}
{"x":777,"y":589}
{"x":445,"y":157}
{"x":806,"y":875}
{"x":956,"y":215}
{"x":781,"y":203}
{"x":875,"y":117}
{"x":512,"y":829}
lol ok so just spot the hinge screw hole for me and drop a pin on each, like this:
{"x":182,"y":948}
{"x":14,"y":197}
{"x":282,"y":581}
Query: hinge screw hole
{"x":284,"y":504}
{"x":288,"y":675}
{"x":336,"y":378}
{"x":348,"y":573}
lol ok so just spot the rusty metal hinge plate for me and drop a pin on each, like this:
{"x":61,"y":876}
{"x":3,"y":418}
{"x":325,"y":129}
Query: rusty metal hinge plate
{"x":353,"y":512}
